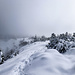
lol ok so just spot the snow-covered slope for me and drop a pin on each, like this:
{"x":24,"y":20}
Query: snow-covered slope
{"x":36,"y":59}
{"x":14,"y":63}
{"x":49,"y":63}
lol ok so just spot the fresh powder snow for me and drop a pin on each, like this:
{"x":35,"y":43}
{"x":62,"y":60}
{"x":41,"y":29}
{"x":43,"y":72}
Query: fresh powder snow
{"x":36,"y":59}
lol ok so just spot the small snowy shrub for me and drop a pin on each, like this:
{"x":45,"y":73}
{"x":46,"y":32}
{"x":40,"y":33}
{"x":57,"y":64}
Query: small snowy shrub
{"x":43,"y":38}
{"x":23,"y":43}
{"x":62,"y":43}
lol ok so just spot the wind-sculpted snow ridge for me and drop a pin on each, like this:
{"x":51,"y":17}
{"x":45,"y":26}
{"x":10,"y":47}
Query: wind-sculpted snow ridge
{"x":36,"y":59}
{"x":49,"y":63}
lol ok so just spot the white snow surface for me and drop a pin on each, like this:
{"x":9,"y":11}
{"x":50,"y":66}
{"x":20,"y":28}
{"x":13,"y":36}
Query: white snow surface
{"x":36,"y":59}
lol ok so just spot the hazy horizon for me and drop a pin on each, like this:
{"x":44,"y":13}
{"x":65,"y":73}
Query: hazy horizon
{"x":36,"y":17}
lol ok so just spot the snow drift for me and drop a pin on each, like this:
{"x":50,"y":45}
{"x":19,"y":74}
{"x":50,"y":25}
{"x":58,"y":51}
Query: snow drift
{"x":49,"y":63}
{"x":36,"y":59}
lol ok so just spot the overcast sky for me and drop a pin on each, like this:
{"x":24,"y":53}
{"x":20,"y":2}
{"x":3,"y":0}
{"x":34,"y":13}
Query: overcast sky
{"x":40,"y":17}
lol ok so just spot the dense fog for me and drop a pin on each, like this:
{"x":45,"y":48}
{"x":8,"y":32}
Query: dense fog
{"x":40,"y":17}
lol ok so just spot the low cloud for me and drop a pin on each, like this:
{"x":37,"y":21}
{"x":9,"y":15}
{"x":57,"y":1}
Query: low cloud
{"x":40,"y":17}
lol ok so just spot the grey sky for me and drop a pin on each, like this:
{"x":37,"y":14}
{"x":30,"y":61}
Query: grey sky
{"x":41,"y":17}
